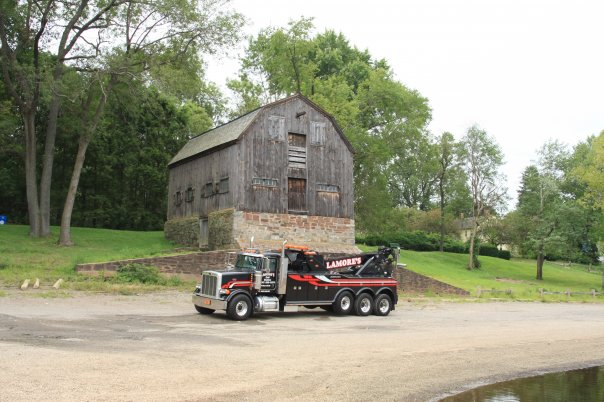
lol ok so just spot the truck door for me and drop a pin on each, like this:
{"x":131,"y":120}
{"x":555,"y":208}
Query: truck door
{"x":269,"y":276}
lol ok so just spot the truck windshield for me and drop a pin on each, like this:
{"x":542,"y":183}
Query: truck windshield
{"x":247,"y":262}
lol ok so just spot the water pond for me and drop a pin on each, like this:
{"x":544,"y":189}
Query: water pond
{"x":585,"y":385}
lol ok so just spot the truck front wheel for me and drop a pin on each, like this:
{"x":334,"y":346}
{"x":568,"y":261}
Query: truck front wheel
{"x":343,"y":304}
{"x":239,"y":308}
{"x":363,"y":306}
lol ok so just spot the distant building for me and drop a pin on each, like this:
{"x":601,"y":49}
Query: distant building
{"x":281,"y":172}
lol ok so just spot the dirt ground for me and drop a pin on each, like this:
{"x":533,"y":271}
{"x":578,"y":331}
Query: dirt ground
{"x":157,"y":348}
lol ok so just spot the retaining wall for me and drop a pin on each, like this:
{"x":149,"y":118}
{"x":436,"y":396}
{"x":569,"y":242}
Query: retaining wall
{"x":191,"y":265}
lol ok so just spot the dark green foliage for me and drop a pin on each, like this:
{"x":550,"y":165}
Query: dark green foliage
{"x":124,"y":182}
{"x":220,"y":226}
{"x":138,"y":273}
{"x":422,"y":241}
{"x":146,"y":274}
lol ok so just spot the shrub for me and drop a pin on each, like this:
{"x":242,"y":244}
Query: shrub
{"x":422,"y":241}
{"x":140,"y":273}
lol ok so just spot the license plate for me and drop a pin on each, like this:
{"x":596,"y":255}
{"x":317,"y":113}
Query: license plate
{"x":208,"y":302}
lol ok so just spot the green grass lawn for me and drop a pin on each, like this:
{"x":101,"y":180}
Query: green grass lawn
{"x":24,"y":257}
{"x":495,"y":273}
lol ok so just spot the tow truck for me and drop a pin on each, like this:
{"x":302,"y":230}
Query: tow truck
{"x":297,"y":276}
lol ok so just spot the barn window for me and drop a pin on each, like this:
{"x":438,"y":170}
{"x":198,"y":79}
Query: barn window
{"x":190,"y":194}
{"x":276,"y":128}
{"x":178,"y":198}
{"x":257,"y":181}
{"x":329,"y":188}
{"x":317,"y":133}
{"x":223,"y":186}
{"x":208,"y":189}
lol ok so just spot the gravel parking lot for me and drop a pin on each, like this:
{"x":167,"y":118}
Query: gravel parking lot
{"x":156,"y":347}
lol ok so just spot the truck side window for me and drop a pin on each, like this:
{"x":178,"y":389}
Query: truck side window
{"x":272,"y":264}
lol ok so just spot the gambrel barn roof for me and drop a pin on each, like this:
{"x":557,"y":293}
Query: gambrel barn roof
{"x":230,"y":132}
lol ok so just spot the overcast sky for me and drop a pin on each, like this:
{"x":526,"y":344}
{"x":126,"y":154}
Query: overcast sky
{"x":524,"y":70}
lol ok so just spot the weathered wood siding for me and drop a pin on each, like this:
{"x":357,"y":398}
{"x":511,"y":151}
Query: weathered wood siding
{"x":327,"y":166}
{"x":196,"y":173}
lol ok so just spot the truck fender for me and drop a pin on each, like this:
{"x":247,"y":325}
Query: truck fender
{"x":238,"y":292}
{"x":342,"y":291}
{"x":366,"y":290}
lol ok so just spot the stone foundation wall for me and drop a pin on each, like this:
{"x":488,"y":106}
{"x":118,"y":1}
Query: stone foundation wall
{"x":322,"y":233}
{"x":183,"y":231}
{"x":412,"y":282}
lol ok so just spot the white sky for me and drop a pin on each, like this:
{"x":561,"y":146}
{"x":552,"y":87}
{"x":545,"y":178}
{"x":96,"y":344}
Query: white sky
{"x":524,"y":70}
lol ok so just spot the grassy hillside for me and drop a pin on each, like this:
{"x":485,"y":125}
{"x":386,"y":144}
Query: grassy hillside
{"x":495,"y":273}
{"x":24,"y":257}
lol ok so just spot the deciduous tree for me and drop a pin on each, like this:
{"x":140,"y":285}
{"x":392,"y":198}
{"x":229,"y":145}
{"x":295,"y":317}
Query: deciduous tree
{"x":482,"y":158}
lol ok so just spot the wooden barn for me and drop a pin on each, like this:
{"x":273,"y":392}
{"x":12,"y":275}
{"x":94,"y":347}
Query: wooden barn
{"x":281,"y":172}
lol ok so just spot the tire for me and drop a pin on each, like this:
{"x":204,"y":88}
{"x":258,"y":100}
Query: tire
{"x":203,"y":310}
{"x":363,"y":305}
{"x":382,"y":305}
{"x":240,"y":308}
{"x":344,"y":303}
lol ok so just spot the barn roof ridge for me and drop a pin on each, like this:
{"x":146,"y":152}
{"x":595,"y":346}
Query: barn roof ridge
{"x":232,"y":130}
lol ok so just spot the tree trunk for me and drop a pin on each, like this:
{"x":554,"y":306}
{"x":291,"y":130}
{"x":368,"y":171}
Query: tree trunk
{"x":540,"y":260}
{"x":89,"y":128}
{"x":48,"y":158}
{"x":442,"y":217}
{"x":31,"y":182}
{"x":65,"y":234}
{"x":473,"y":233}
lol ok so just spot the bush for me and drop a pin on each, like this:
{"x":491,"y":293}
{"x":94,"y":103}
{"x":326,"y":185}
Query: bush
{"x":422,"y":241}
{"x":132,"y":273}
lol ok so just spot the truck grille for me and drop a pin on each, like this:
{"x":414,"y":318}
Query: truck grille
{"x":208,"y":285}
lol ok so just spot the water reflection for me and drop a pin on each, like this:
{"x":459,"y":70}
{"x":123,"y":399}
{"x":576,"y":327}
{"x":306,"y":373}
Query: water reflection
{"x":584,"y":385}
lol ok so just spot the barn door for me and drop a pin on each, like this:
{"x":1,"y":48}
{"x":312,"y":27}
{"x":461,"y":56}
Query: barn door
{"x":296,"y":194}
{"x":203,"y":233}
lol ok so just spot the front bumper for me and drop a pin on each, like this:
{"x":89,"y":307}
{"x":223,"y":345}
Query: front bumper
{"x":208,"y":302}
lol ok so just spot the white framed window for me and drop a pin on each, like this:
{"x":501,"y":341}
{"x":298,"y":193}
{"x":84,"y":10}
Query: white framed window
{"x":259,"y":181}
{"x":328,"y":188}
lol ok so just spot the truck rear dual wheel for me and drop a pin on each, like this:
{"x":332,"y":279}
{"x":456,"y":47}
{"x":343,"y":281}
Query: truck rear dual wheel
{"x":239,"y":308}
{"x":383,"y":305}
{"x":363,"y":305}
{"x":343,"y":304}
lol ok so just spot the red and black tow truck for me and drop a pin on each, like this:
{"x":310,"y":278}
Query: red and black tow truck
{"x":296,"y":276}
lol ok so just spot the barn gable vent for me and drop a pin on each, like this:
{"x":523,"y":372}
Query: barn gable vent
{"x":317,"y":132}
{"x":276,"y":128}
